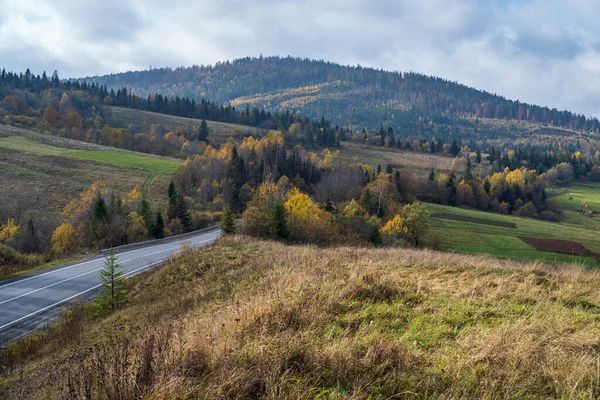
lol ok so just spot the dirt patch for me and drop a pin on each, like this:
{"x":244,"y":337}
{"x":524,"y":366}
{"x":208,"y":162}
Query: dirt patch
{"x":558,"y":246}
{"x":474,"y":220}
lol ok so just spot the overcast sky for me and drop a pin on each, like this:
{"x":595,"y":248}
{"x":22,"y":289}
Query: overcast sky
{"x":545,"y":52}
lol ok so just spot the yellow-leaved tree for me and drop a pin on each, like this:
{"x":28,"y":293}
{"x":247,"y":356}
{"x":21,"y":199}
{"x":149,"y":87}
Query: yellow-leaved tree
{"x":8,"y":231}
{"x":307,"y":222}
{"x":64,"y":239}
{"x":412,"y":225}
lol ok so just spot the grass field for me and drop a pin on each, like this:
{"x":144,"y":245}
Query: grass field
{"x":419,"y":163}
{"x":115,"y":157}
{"x":42,"y":173}
{"x":571,"y":198}
{"x":472,"y":238}
{"x":247,"y":319}
{"x":142,"y":120}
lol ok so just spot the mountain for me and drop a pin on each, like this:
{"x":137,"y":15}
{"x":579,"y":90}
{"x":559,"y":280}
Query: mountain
{"x":351,"y":96}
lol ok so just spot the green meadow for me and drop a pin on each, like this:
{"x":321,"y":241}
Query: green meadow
{"x":474,"y":238}
{"x":115,"y":157}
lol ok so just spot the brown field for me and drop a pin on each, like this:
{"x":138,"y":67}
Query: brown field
{"x":474,"y":220}
{"x":419,"y":163}
{"x":250,"y":319}
{"x":142,"y":120}
{"x":557,"y":246}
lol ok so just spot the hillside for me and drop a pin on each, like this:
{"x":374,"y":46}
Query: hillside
{"x":252,"y":319}
{"x":347,"y":95}
{"x":40,"y":174}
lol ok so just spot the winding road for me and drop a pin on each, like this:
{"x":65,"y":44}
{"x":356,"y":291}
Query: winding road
{"x":32,"y":301}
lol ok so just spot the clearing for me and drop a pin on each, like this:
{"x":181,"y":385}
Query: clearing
{"x":418,"y":163}
{"x":43,"y":172}
{"x":139,"y":120}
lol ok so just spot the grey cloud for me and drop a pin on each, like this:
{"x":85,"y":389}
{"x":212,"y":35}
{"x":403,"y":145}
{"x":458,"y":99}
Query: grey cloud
{"x":526,"y":49}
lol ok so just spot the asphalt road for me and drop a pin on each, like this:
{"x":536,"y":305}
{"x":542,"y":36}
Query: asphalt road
{"x":32,"y":301}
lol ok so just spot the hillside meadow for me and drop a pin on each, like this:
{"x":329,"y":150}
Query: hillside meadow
{"x":40,"y":173}
{"x":252,"y":319}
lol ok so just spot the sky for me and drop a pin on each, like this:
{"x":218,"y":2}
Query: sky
{"x":545,"y":52}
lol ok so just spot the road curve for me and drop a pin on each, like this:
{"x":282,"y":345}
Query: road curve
{"x":32,"y":301}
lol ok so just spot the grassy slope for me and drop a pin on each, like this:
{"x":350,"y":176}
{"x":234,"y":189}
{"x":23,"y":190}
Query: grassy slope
{"x":219,"y":131}
{"x":571,"y":198}
{"x":251,"y":319}
{"x":45,"y":172}
{"x":472,"y":238}
{"x":115,"y":157}
{"x":418,"y":163}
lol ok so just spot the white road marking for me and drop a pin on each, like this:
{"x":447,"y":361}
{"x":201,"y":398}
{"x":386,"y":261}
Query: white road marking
{"x":92,"y":288}
{"x":86,"y":262}
{"x":70,"y":298}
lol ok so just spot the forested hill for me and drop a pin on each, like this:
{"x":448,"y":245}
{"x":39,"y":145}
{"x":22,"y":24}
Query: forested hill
{"x":350,"y":96}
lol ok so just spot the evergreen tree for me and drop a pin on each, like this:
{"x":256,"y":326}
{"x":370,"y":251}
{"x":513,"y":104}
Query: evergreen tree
{"x":454,"y":148}
{"x":389,"y":169}
{"x":228,"y":221}
{"x":171,"y":191}
{"x":431,"y":175}
{"x":146,"y":212}
{"x":158,"y":227}
{"x":114,"y":287}
{"x":378,"y":169}
{"x":478,"y":157}
{"x":328,"y":205}
{"x":203,"y":131}
{"x":100,"y":220}
{"x":281,"y":224}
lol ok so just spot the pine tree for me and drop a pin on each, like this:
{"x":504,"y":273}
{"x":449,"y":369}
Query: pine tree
{"x":145,"y":211}
{"x":378,"y":169}
{"x":228,"y":221}
{"x":431,"y":175}
{"x":454,"y":148}
{"x":389,"y":169}
{"x":158,"y":227}
{"x":114,"y":287}
{"x":328,"y":205}
{"x":203,"y":131}
{"x":100,"y":219}
{"x":478,"y":157}
{"x":171,"y":192}
{"x":281,"y":224}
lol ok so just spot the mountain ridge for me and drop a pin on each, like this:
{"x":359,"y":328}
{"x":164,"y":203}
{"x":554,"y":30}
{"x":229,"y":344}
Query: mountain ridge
{"x":353,"y":96}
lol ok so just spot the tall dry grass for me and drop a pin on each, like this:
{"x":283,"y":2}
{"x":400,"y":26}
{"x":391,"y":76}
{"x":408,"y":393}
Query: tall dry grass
{"x":249,"y":319}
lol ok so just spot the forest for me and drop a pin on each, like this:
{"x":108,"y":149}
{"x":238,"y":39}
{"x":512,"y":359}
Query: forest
{"x":351,"y":96}
{"x":287,"y":183}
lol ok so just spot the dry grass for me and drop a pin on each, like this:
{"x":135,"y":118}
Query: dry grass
{"x":249,"y":319}
{"x":419,"y":163}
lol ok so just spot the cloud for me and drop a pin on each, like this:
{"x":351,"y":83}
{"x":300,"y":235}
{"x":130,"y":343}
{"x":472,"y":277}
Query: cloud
{"x":543,"y":52}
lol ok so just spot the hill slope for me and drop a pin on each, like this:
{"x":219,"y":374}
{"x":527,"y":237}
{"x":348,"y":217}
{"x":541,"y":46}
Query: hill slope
{"x":349,"y":96}
{"x":250,"y":319}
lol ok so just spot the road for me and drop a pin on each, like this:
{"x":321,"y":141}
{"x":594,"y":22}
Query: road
{"x":32,"y":301}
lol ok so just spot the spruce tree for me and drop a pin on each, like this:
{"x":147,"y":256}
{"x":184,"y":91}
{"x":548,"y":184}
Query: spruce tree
{"x":146,"y":212}
{"x":203,"y":131}
{"x":478,"y":157}
{"x":389,"y":169}
{"x":454,"y":148}
{"x":114,"y":287}
{"x":228,"y":221}
{"x":158,"y":227}
{"x":171,"y":191}
{"x":281,"y":225}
